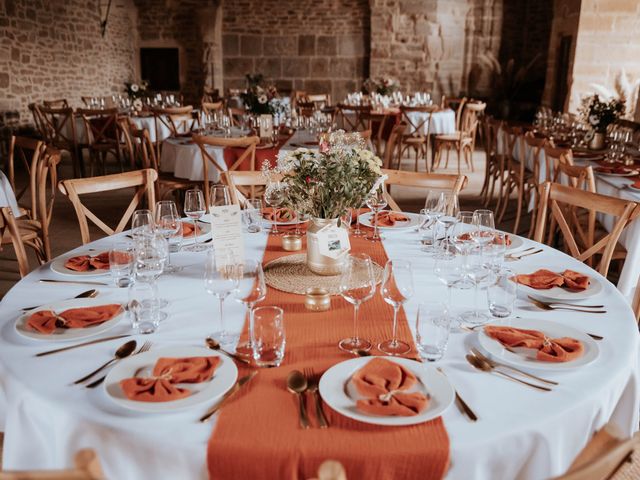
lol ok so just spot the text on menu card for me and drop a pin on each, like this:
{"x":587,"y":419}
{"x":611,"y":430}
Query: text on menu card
{"x":226,"y":226}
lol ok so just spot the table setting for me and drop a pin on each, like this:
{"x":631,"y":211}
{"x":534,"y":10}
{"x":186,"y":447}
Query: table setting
{"x":418,"y":348}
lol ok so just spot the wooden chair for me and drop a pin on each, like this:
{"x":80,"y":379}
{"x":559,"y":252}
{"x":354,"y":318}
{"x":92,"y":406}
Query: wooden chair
{"x":298,"y":96}
{"x":167,"y":182}
{"x":87,"y":467}
{"x":427,"y":181}
{"x":350,"y":117}
{"x":26,"y":151}
{"x":555,"y":156}
{"x":248,"y":155}
{"x":103,"y":136}
{"x":305,"y":109}
{"x":141,"y":180}
{"x":563,"y":203}
{"x":59,"y":103}
{"x":38,"y":121}
{"x":320,"y":100}
{"x":236,"y":115}
{"x":209,"y":108}
{"x":211,"y":95}
{"x":242,"y":183}
{"x":179,"y":121}
{"x":494,"y":160}
{"x":463,"y":141}
{"x":455,"y":104}
{"x":377,"y":122}
{"x":60,"y":132}
{"x":418,"y":133}
{"x":603,"y":456}
{"x":393,"y":146}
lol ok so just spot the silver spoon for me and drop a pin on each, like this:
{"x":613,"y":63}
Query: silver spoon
{"x":213,"y":344}
{"x":297,"y":384}
{"x":124,"y":351}
{"x":485,"y":367}
{"x":87,"y":294}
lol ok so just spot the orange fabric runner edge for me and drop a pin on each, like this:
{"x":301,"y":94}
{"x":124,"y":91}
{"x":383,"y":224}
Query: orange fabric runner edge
{"x":257,"y":435}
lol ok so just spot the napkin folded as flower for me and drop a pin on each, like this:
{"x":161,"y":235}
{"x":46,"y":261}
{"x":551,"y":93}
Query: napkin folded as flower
{"x":545,"y":279}
{"x":188,"y":229}
{"x":167,"y":373}
{"x":280,"y":215}
{"x":385,"y":385}
{"x":389,"y":219}
{"x":46,"y":321}
{"x":562,"y":349}
{"x":84,"y":263}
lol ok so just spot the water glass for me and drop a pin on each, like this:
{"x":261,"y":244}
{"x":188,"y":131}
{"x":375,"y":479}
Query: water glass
{"x":501,"y":295}
{"x":252,"y":215}
{"x":141,"y":223}
{"x":143,"y":307}
{"x":268,"y":336}
{"x":121,"y":264}
{"x":175,"y":240}
{"x":433,"y":325}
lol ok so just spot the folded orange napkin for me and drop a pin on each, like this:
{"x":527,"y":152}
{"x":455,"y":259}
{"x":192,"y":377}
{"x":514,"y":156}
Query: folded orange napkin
{"x":46,"y":321}
{"x":385,"y":384}
{"x":545,"y":279}
{"x":84,"y":263}
{"x":389,"y":219}
{"x":280,"y":215}
{"x":188,"y":229}
{"x":562,"y":349}
{"x":616,"y":169}
{"x":168,"y":372}
{"x":636,"y":184}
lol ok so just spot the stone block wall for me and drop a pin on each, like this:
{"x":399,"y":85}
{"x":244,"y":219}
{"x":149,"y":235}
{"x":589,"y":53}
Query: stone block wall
{"x":54,"y":49}
{"x":320,"y":46}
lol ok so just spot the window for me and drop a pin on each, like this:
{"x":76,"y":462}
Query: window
{"x":161,"y":68}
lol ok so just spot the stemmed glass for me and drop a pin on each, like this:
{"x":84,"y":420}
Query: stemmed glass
{"x":462,"y":238}
{"x":167,"y":224}
{"x":357,"y":285}
{"x":376,"y":201}
{"x":358,"y":231}
{"x":220,"y":281}
{"x":396,"y":289}
{"x":141,"y":223}
{"x":484,"y":227}
{"x":450,"y":270}
{"x":250,"y":290}
{"x":194,"y":208}
{"x":274,"y":197}
{"x":449,"y":208}
{"x":430,"y":214}
{"x":219,"y":196}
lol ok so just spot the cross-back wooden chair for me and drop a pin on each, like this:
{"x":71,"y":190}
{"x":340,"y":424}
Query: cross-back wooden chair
{"x":38,"y":121}
{"x":305,"y":109}
{"x":563,"y":203}
{"x":210,"y":95}
{"x":248,"y":156}
{"x":243,"y":185}
{"x":320,"y":100}
{"x":555,"y":156}
{"x":298,"y":96}
{"x":350,"y":117}
{"x":26,"y":151}
{"x":426,"y":181}
{"x":179,"y":121}
{"x":417,"y":136}
{"x":103,"y":136}
{"x":209,"y":108}
{"x":167,"y":182}
{"x":494,"y":160}
{"x":456,"y":104}
{"x":60,"y":131}
{"x":377,"y":122}
{"x":86,"y":467}
{"x":603,"y":456}
{"x":236,"y":115}
{"x":393,"y":145}
{"x":59,"y":103}
{"x":142,"y":180}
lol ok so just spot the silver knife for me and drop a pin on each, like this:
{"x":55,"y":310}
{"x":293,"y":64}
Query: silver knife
{"x":92,"y":342}
{"x":227,"y":396}
{"x":79,"y":282}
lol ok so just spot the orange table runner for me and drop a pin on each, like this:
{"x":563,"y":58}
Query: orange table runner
{"x":258,"y":436}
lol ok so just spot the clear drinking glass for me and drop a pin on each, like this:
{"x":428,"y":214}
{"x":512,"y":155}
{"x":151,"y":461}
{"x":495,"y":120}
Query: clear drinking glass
{"x":450,"y":269}
{"x":142,"y":223}
{"x":274,"y":197}
{"x":220,"y":281}
{"x":396,"y":289}
{"x":250,"y":290}
{"x":168,"y":225}
{"x":121,"y":264}
{"x":428,"y":228}
{"x":252,"y":215}
{"x":485,"y":227}
{"x":268,"y":336}
{"x":477,"y":271}
{"x":194,"y":208}
{"x":433,"y":325}
{"x":143,"y":310}
{"x":494,"y":251}
{"x":449,"y":209}
{"x":357,"y":285}
{"x":150,"y":257}
{"x":502,"y":294}
{"x":358,"y":231}
{"x":376,"y":201}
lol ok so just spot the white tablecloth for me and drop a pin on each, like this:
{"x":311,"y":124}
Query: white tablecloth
{"x":443,"y":122}
{"x":521,"y":433}
{"x":7,"y":195}
{"x":183,"y":158}
{"x":140,"y":122}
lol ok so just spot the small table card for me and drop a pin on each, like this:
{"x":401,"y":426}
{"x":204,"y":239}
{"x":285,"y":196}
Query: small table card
{"x":226,"y":227}
{"x":265,"y":123}
{"x":333,"y":241}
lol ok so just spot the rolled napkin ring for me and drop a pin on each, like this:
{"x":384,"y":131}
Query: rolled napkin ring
{"x":292,"y":243}
{"x":317,"y":299}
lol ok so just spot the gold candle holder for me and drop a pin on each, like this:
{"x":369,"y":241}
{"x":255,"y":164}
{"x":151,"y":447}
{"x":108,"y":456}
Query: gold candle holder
{"x":317,"y":299}
{"x":292,"y":243}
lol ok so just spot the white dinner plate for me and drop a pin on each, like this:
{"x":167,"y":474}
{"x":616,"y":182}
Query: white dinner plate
{"x":205,"y":233}
{"x":414,"y":221}
{"x":562,"y":294}
{"x":631,"y":173}
{"x":66,"y":334}
{"x":633,"y":189}
{"x":525,"y":357}
{"x":206,"y":392}
{"x":57,"y":265}
{"x":516,"y":242}
{"x":332,"y":390}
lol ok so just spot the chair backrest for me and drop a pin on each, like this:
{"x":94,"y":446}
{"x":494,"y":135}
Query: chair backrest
{"x":101,"y":125}
{"x":248,"y":155}
{"x":455,"y":104}
{"x":350,"y":117}
{"x":537,"y":145}
{"x":143,"y":181}
{"x":416,"y":125}
{"x":210,"y":95}
{"x":236,"y":180}
{"x":125,"y":127}
{"x":491,"y":129}
{"x":38,"y":121}
{"x":177,"y":119}
{"x":236,"y":115}
{"x":59,"y":127}
{"x":305,"y":109}
{"x":210,"y":107}
{"x":427,"y":181}
{"x":555,"y":156}
{"x":27,"y":151}
{"x":470,"y":118}
{"x":87,"y":467}
{"x":145,"y":148}
{"x":392,"y":146}
{"x":320,"y":99}
{"x":59,"y":103}
{"x":562,"y":204}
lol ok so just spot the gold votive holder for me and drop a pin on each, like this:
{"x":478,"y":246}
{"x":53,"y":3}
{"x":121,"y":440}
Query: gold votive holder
{"x":292,"y":243}
{"x":317,"y":299}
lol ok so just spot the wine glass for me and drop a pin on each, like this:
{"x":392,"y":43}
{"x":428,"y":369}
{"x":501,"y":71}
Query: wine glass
{"x":461,"y":237}
{"x":219,"y":196}
{"x":478,"y":271}
{"x":396,"y":289}
{"x":141,"y":223}
{"x":450,"y":270}
{"x":484,"y":227}
{"x":220,"y":280}
{"x":428,"y":228}
{"x":194,"y":208}
{"x":274,"y":197}
{"x":358,"y":231}
{"x":449,"y":208}
{"x":357,"y":285}
{"x":250,"y":290}
{"x":376,"y":201}
{"x":168,"y":224}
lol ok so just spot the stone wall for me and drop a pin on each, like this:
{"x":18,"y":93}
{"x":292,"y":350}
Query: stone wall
{"x":320,"y":46}
{"x":54,"y":49}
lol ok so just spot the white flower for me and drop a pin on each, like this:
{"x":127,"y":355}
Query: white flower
{"x":262,"y":98}
{"x":594,"y":120}
{"x":137,"y":104}
{"x":134,"y":87}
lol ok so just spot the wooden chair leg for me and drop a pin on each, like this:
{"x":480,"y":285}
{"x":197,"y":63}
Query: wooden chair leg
{"x":519,"y":208}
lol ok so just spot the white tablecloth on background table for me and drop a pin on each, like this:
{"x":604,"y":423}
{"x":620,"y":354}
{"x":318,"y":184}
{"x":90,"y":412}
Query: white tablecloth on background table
{"x":140,"y":122}
{"x":183,"y":158}
{"x":7,"y":195}
{"x":521,"y":433}
{"x":443,"y":122}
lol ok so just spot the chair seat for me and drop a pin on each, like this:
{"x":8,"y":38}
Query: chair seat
{"x":450,"y":137}
{"x":29,"y":230}
{"x":413,"y":140}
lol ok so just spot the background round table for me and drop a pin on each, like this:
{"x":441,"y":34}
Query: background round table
{"x":521,"y":433}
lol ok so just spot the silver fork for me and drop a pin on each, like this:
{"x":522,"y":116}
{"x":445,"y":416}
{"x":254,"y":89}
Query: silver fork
{"x":146,"y":346}
{"x":546,"y":306}
{"x":512,"y":257}
{"x":312,"y":386}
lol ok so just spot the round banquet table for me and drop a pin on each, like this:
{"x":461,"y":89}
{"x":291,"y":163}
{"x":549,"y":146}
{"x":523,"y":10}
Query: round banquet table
{"x":521,"y":433}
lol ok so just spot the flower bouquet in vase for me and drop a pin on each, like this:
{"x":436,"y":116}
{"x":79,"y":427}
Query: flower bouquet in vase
{"x":598,"y":115}
{"x":324,"y":185}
